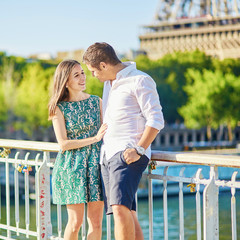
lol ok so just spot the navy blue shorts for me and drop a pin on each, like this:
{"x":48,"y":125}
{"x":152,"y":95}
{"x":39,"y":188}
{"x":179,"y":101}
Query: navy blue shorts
{"x":120,"y":181}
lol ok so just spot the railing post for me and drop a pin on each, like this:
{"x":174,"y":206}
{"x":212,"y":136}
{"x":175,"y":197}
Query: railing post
{"x":108,"y":218}
{"x":44,"y":199}
{"x":59,"y":219}
{"x":0,"y":202}
{"x":16,"y":185}
{"x":165,"y":204}
{"x":26,"y":183}
{"x":198,"y":205}
{"x":233,"y":208}
{"x":210,"y":208}
{"x":150,"y":204}
{"x":7,"y":198}
{"x":84,"y":235}
{"x":181,"y":206}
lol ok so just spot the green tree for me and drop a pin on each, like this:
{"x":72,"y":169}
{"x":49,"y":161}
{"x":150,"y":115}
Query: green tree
{"x":32,"y":99}
{"x":231,"y":66}
{"x":9,"y":80}
{"x":3,"y":108}
{"x":93,"y":85}
{"x":169,"y":74}
{"x":11,"y":67}
{"x":198,"y":111}
{"x":225,"y":101}
{"x":212,"y":100}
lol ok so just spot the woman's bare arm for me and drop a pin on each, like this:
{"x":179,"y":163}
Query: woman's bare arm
{"x":61,"y":134}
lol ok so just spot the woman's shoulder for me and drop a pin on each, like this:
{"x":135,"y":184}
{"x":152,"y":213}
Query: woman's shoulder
{"x":95,"y":97}
{"x":96,"y":101}
{"x":62,"y":104}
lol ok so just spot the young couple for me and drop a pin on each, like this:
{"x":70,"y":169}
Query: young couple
{"x":127,"y":120}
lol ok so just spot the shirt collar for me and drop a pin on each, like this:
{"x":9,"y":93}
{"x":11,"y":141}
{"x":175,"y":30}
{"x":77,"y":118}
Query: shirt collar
{"x":125,"y":71}
{"x":122,"y":74}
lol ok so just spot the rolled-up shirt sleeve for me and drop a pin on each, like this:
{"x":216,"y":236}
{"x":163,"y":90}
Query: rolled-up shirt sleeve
{"x":149,"y":102}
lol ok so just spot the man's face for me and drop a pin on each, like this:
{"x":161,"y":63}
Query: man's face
{"x":101,"y":73}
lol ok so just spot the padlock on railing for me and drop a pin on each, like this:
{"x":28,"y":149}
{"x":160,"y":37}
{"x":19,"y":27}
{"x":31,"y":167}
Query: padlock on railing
{"x":152,"y":165}
{"x":192,"y":187}
{"x":5,"y":152}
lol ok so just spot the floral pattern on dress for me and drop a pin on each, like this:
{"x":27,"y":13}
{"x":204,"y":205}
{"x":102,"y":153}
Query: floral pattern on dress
{"x":76,"y":173}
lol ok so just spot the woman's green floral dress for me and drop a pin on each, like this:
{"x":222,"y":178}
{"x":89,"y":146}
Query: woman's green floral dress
{"x":76,"y":173}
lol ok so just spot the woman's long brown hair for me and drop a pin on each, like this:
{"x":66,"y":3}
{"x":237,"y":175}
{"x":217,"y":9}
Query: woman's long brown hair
{"x":60,"y":92}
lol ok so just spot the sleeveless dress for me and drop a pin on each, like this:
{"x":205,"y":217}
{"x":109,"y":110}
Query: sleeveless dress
{"x":76,"y":173}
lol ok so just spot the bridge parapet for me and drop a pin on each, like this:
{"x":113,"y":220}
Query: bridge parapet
{"x":42,"y":165}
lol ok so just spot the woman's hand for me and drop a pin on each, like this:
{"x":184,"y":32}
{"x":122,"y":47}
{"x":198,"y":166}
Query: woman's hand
{"x":102,"y":130}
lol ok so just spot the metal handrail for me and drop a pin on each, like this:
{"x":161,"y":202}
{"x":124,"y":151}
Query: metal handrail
{"x":164,"y":158}
{"x":161,"y":156}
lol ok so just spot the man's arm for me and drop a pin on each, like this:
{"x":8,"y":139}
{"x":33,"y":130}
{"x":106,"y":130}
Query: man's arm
{"x":148,"y":100}
{"x":149,"y":134}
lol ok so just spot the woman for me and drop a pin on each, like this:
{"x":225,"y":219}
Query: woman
{"x":76,"y":118}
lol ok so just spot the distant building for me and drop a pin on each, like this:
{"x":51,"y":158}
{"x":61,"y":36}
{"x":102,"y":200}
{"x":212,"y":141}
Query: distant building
{"x":75,"y":54}
{"x":41,"y":56}
{"x":132,"y":54}
{"x":188,"y":25}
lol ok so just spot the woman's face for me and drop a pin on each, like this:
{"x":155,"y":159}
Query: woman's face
{"x":77,"y":79}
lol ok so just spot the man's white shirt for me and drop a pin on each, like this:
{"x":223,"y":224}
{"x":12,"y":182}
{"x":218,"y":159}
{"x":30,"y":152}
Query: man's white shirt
{"x":129,"y":105}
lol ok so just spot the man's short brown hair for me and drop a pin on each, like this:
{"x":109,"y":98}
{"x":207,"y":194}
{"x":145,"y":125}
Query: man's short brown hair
{"x":100,"y":52}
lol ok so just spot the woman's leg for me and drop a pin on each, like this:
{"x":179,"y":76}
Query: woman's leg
{"x":94,"y":216}
{"x":75,"y":219}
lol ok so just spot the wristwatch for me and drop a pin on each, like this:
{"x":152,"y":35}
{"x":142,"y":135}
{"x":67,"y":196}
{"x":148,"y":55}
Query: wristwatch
{"x":140,"y":150}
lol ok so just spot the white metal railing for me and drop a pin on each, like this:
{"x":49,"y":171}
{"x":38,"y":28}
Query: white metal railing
{"x":43,"y":199}
{"x":210,"y":192}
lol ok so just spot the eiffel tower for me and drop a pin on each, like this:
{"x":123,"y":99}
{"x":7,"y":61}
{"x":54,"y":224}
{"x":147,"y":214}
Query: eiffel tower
{"x":212,"y":26}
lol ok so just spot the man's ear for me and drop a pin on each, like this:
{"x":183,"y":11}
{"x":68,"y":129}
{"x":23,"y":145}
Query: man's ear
{"x":103,"y":66}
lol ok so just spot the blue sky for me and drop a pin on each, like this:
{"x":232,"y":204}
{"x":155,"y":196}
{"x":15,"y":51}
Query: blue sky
{"x":29,"y":27}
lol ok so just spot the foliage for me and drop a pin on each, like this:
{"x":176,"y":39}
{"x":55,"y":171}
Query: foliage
{"x":32,"y":98}
{"x":226,"y":101}
{"x":93,"y":85}
{"x":198,"y":112}
{"x":3,"y":109}
{"x":169,"y":74}
{"x":11,"y":67}
{"x":213,"y":98}
{"x":228,"y":66}
{"x":201,"y":90}
{"x":9,"y":78}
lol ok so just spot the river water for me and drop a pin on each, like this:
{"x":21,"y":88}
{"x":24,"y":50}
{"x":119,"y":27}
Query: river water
{"x":173,"y":217}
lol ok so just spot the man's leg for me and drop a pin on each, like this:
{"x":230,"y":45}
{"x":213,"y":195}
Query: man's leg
{"x":126,"y":224}
{"x":138,"y":229}
{"x":105,"y":185}
{"x":124,"y":180}
{"x":124,"y":227}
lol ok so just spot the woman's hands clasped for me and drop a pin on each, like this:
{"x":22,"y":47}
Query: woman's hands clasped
{"x":102,"y":130}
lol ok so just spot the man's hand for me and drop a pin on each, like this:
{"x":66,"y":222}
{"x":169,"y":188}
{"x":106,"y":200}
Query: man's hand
{"x":130,"y":155}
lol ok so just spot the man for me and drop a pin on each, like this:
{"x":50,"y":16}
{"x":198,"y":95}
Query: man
{"x":133,"y":113}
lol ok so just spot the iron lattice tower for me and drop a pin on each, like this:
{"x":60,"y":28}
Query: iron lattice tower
{"x":212,"y":26}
